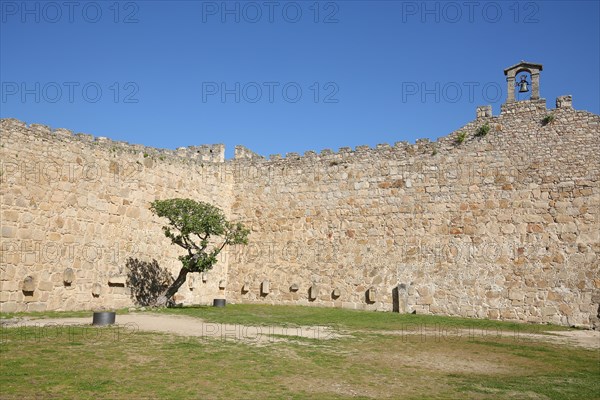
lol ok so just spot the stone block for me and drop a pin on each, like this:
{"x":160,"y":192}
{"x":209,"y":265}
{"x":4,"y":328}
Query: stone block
{"x":133,"y":212}
{"x":8,"y":272}
{"x":516,"y":294}
{"x":9,"y":286}
{"x":10,"y":215}
{"x":121,"y":290}
{"x":117,"y":280}
{"x":8,"y":307}
{"x":554,"y":296}
{"x":565,"y":310}
{"x":54,"y":236}
{"x":46,"y":286}
{"x":37,"y":307}
{"x":564,"y":101}
{"x":178,"y":298}
{"x":484,"y":112}
{"x":8,"y":232}
{"x":548,"y":311}
{"x":535,"y":228}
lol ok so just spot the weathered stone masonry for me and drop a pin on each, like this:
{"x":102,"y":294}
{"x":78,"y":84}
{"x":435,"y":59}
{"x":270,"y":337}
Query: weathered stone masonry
{"x":503,"y":225}
{"x":75,"y":208}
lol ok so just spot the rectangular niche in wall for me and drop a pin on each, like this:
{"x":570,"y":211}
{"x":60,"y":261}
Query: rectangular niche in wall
{"x":371,"y":295}
{"x":400,"y":298}
{"x":313,"y":293}
{"x":246,"y":287}
{"x":265,"y":288}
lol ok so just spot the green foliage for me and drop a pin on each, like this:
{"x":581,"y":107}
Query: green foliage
{"x":483,"y":130}
{"x":192,"y":224}
{"x":146,"y":155}
{"x":462,"y":135}
{"x":547,"y":119}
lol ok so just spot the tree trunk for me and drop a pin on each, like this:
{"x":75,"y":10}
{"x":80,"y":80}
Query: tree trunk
{"x":166,"y":297}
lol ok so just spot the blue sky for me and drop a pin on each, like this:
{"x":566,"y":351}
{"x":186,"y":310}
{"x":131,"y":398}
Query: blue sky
{"x":285,"y":76}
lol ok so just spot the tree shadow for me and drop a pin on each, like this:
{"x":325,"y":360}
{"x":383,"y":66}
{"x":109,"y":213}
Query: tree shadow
{"x":147,"y":280}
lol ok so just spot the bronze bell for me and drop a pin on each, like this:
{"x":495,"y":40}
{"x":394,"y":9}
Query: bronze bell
{"x":523,"y":85}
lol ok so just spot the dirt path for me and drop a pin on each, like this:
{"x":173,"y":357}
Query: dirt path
{"x":190,"y":326}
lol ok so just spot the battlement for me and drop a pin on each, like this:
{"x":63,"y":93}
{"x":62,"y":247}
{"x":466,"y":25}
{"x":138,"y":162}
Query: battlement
{"x":535,"y":110}
{"x":215,"y":153}
{"x":242,"y":153}
{"x":525,"y":106}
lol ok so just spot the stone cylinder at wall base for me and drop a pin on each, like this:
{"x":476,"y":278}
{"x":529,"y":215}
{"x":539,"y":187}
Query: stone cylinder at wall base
{"x":102,"y":318}
{"x":219,"y":302}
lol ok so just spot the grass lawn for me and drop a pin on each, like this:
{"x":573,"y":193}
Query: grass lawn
{"x":380,"y":355}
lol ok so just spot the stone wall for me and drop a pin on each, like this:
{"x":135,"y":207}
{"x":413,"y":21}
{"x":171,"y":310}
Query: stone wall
{"x":501,"y":225}
{"x":76,"y":208}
